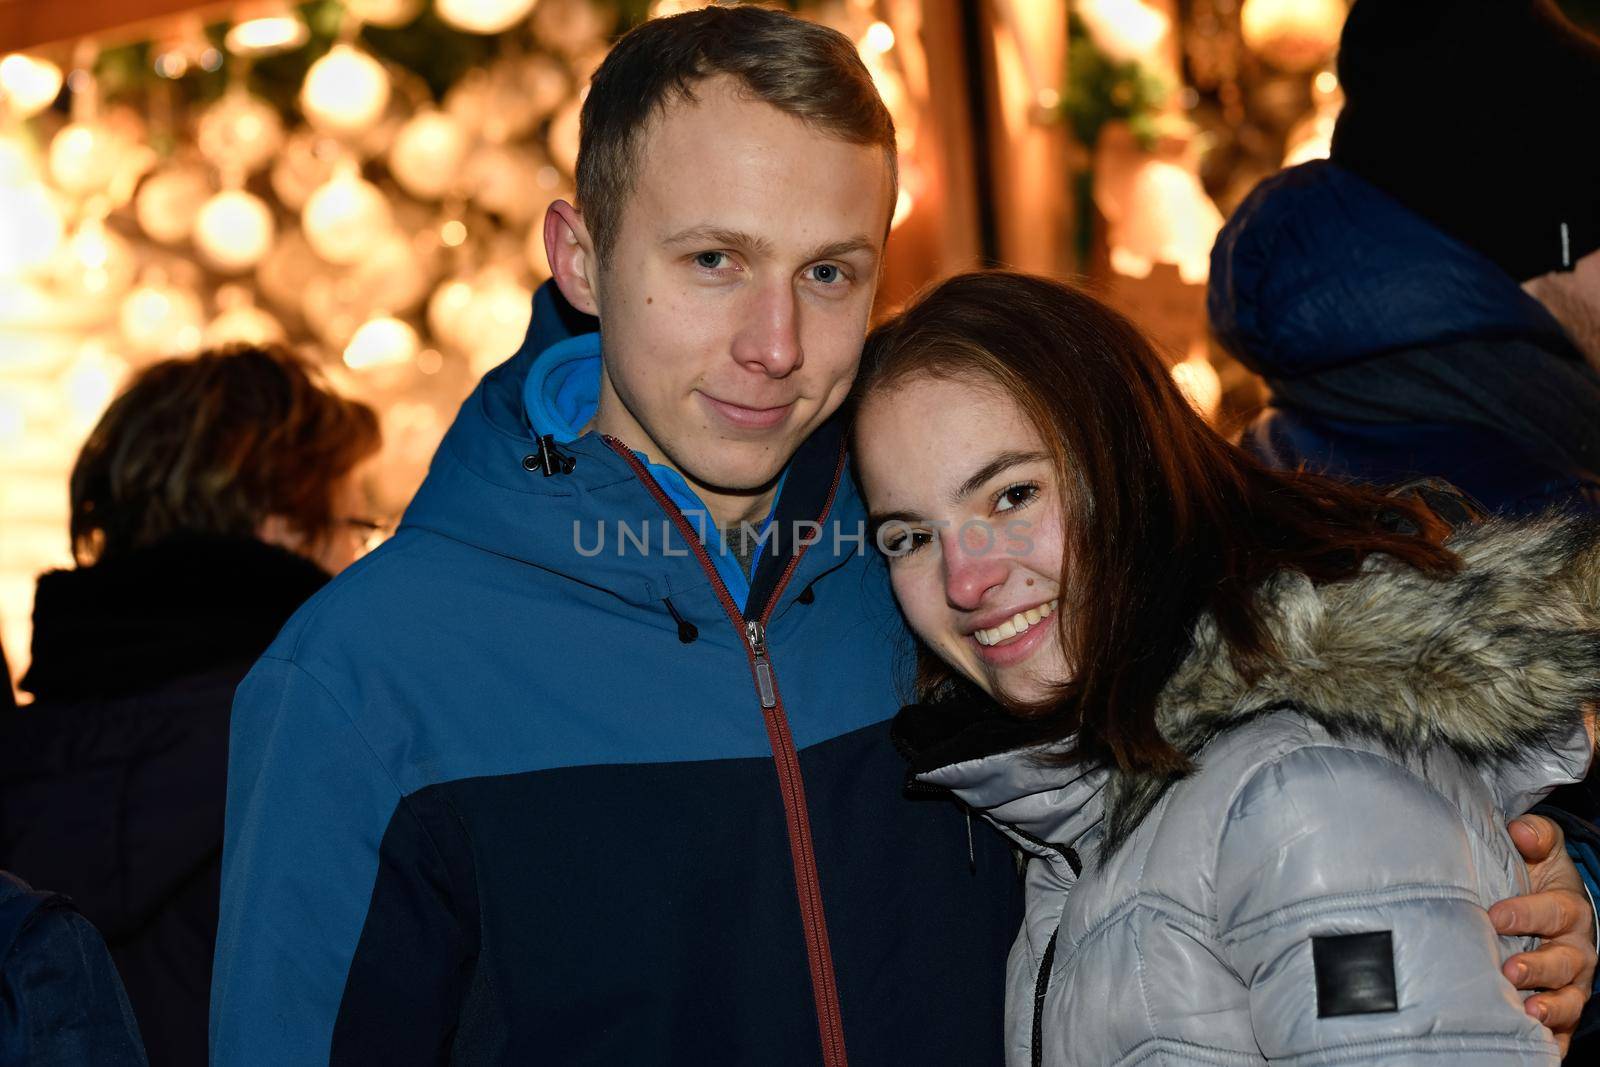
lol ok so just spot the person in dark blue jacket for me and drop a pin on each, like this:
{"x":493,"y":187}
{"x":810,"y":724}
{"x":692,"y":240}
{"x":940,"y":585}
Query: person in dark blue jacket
{"x":590,"y":762}
{"x":1388,"y":296}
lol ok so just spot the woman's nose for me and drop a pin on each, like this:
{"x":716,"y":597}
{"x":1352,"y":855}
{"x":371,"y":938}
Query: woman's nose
{"x":973,"y":566}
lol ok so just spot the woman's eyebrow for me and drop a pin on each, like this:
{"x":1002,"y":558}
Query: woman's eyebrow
{"x":1002,"y":462}
{"x":878,"y":522}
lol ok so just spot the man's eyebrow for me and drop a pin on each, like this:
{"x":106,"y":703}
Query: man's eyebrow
{"x":1004,"y":461}
{"x":715,"y":235}
{"x":840,"y":249}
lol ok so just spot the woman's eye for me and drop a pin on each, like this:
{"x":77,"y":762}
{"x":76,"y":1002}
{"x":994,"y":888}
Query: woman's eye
{"x":710,"y":260}
{"x":897,"y":546}
{"x":1015,"y":496}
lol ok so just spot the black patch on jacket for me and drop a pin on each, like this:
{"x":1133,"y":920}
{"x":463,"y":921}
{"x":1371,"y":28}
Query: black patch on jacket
{"x":1355,"y":974}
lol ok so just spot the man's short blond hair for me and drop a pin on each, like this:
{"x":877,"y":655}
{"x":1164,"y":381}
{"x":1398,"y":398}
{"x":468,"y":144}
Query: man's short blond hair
{"x":801,"y":68}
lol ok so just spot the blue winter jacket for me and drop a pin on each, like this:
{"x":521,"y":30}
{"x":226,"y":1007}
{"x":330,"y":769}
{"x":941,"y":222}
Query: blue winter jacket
{"x":496,"y":796}
{"x":1319,"y":270}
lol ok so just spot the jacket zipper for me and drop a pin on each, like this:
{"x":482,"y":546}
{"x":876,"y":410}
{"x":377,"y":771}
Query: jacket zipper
{"x":808,"y":887}
{"x":756,"y":635}
{"x":1041,"y":987}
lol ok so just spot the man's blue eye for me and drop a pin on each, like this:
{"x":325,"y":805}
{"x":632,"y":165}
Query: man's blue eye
{"x":826,"y":273}
{"x":709,"y":260}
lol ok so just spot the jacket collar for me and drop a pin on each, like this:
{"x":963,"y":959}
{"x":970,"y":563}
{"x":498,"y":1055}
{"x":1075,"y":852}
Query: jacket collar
{"x":997,"y":764}
{"x":1496,"y":662}
{"x":480,"y":491}
{"x":182,"y":606}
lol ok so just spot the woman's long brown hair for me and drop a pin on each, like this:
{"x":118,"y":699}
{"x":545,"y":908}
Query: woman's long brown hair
{"x":1164,"y":519}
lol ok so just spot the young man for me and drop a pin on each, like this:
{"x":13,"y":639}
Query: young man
{"x":547,"y":779}
{"x":562,"y":773}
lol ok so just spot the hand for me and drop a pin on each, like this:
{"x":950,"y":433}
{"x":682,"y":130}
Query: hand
{"x":1558,"y":911}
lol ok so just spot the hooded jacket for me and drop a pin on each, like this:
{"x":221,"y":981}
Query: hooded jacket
{"x":506,"y":792}
{"x":112,"y":780}
{"x":1314,"y":892}
{"x":1395,"y":352}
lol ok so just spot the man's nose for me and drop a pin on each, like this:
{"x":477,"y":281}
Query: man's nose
{"x":973,"y":566}
{"x":770,"y":338}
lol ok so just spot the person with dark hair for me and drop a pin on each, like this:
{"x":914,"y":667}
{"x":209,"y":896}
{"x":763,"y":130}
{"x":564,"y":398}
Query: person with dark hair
{"x":214,"y":496}
{"x":1258,"y":732}
{"x":590,"y":763}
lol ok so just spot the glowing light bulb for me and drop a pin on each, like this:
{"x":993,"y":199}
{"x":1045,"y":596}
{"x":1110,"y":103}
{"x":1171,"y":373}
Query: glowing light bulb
{"x":158,"y":319}
{"x":265,"y":28}
{"x":345,"y":91}
{"x":381,"y":342}
{"x":1293,"y":35}
{"x":483,"y":16}
{"x":83,"y":158}
{"x":29,"y":84}
{"x":428,"y":153}
{"x":234,"y":230}
{"x":346,"y":218}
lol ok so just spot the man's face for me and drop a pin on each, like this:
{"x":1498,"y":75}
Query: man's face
{"x":735,"y":301}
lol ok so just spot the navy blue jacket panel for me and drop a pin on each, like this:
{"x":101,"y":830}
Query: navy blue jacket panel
{"x":489,"y":800}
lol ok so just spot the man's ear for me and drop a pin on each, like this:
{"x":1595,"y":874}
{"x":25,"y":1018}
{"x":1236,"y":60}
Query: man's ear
{"x":570,"y":250}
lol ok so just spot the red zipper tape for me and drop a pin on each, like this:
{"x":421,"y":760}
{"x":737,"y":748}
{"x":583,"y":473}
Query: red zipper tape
{"x":808,"y":887}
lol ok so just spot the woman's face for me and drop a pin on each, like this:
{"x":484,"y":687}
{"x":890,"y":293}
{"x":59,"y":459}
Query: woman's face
{"x":349,"y":535}
{"x":968,"y":510}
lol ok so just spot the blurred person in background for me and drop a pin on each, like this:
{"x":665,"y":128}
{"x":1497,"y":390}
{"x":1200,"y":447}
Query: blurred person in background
{"x":214,"y":496}
{"x":1422,"y":304}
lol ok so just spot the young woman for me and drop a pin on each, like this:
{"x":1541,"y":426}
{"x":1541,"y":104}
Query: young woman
{"x":1258,"y":732}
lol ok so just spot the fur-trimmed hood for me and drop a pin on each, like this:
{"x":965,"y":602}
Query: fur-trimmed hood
{"x":1496,"y":662}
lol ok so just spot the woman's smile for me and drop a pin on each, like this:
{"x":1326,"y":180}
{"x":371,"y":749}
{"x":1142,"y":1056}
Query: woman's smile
{"x":976,"y":556}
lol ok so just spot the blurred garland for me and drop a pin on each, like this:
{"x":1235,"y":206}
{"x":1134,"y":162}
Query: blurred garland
{"x":436,"y":52}
{"x":433,"y":50}
{"x":1102,"y":90}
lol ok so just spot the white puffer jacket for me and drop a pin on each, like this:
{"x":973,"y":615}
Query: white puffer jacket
{"x":1315,"y":892}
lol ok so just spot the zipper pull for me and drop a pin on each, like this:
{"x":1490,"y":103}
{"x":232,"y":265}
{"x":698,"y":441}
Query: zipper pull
{"x":756,"y":635}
